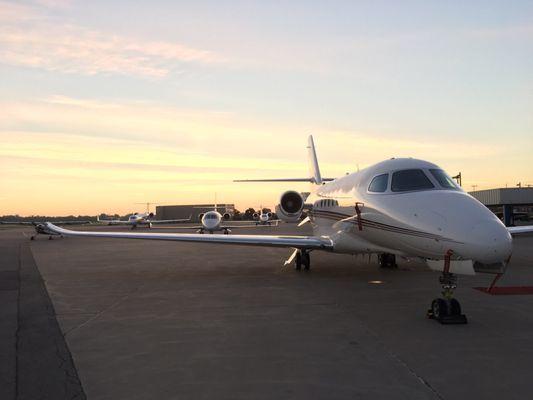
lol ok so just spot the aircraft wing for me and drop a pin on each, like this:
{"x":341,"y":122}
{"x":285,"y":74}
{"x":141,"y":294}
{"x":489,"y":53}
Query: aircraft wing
{"x":253,"y":225}
{"x":224,"y":226}
{"x":169,"y":221}
{"x":299,"y":242}
{"x":113,"y":221}
{"x":516,"y":230}
{"x":192,"y":227}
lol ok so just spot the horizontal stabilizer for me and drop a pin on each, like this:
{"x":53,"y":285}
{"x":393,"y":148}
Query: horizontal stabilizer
{"x":517,"y":230}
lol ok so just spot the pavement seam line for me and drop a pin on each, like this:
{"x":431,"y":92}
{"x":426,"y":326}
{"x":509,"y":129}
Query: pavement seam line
{"x":403,"y":363}
{"x":113,"y":305}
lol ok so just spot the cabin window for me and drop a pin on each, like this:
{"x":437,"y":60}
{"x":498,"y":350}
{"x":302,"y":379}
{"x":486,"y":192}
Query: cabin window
{"x":379,"y":183}
{"x":410,"y":179}
{"x":444,"y":180}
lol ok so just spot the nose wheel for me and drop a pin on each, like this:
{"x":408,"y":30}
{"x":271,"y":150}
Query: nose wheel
{"x":447,"y":309}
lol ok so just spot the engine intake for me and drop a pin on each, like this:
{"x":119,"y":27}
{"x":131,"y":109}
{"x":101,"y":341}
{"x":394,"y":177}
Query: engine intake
{"x":290,"y":206}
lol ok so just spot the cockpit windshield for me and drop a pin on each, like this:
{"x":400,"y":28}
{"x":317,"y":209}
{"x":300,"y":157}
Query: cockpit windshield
{"x":410,"y":179}
{"x":379,"y":184}
{"x":444,"y":180}
{"x":211,"y":216}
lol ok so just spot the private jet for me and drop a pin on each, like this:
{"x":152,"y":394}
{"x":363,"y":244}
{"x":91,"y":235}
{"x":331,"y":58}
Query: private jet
{"x":262,"y":217}
{"x":401,"y":207}
{"x":213,"y":221}
{"x":137,"y":219}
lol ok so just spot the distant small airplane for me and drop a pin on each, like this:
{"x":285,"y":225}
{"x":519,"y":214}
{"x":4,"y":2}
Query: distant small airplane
{"x":141,"y":219}
{"x":40,"y":229}
{"x":262,"y":217}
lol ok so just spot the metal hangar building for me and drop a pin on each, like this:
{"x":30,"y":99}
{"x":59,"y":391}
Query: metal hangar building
{"x":507,"y":203}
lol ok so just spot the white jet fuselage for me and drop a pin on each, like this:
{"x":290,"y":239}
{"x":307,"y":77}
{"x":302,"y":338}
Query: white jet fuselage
{"x":419,"y":223}
{"x":211,"y":221}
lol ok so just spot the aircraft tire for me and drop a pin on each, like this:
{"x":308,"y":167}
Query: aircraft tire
{"x":455,"y":307}
{"x":387,"y":260}
{"x":298,"y":262}
{"x":306,"y":261}
{"x":439,"y":309}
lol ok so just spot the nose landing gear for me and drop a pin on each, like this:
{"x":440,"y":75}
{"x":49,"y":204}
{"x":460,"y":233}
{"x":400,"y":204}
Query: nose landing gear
{"x":387,"y":260}
{"x":447,"y":310}
{"x":302,"y":258}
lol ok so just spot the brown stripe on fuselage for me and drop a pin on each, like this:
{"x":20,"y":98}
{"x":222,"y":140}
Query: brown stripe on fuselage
{"x":336,"y":216}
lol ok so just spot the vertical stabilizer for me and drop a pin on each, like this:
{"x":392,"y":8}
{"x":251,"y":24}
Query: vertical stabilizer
{"x":314,"y":170}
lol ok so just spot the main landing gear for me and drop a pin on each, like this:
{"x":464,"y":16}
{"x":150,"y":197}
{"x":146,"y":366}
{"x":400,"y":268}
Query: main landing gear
{"x":446,"y":309}
{"x":50,"y":237}
{"x":387,"y":260}
{"x":302,"y":258}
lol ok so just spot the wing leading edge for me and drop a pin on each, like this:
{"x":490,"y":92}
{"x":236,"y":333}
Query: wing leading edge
{"x":299,"y":242}
{"x":169,"y":221}
{"x":517,"y":230}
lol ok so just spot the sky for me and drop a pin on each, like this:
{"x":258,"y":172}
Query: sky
{"x":104,"y":104}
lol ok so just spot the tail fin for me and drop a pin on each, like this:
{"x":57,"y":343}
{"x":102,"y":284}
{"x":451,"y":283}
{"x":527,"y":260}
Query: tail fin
{"x":314,"y":170}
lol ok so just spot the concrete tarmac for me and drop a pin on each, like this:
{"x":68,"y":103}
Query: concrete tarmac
{"x":161,"y":320}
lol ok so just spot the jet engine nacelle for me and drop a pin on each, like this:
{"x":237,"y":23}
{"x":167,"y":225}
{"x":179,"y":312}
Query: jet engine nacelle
{"x":200,"y":216}
{"x":290,"y":206}
{"x":226,"y":216}
{"x":269,"y":215}
{"x":151,"y":215}
{"x":255,"y":216}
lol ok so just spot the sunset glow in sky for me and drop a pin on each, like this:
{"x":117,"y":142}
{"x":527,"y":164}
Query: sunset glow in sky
{"x":104,"y":104}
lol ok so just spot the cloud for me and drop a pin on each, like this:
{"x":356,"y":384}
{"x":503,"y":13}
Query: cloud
{"x":54,"y":3}
{"x":29,"y":38}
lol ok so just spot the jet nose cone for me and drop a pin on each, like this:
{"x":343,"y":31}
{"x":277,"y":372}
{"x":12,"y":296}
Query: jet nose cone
{"x":491,"y":242}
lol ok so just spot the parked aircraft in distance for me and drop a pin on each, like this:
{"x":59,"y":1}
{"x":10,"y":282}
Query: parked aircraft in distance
{"x":262,"y":217}
{"x":140,"y":219}
{"x":213,"y":221}
{"x":398,"y":207}
{"x":40,"y":227}
{"x":226,"y":214}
